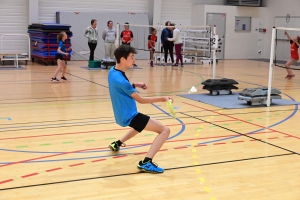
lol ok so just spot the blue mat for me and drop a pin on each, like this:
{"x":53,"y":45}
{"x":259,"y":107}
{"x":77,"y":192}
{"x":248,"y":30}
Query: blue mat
{"x":103,"y":68}
{"x":231,"y":101}
{"x":12,"y":68}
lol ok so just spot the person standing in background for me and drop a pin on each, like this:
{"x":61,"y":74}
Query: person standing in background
{"x":126,"y":35}
{"x":168,"y":46}
{"x":92,"y":34}
{"x":178,"y":44}
{"x":109,"y":36}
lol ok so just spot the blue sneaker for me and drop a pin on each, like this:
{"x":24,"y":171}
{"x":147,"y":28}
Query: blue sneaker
{"x":149,"y":167}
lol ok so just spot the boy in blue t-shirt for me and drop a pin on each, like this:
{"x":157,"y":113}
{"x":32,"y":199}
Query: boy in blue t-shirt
{"x":123,"y":97}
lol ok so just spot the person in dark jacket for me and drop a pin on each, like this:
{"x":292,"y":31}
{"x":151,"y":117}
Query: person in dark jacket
{"x":168,"y":46}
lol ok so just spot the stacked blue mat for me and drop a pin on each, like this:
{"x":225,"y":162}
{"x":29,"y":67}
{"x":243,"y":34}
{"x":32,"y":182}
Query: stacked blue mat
{"x":44,"y":39}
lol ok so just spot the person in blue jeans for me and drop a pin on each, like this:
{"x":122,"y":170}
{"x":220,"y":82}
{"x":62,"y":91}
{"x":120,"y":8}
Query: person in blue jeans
{"x":124,"y":97}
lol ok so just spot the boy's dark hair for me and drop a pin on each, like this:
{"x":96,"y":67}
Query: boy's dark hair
{"x":167,"y":23}
{"x":123,"y":51}
{"x":172,"y":24}
{"x":109,"y":22}
{"x":298,"y":39}
{"x":153,"y":29}
{"x":92,"y":21}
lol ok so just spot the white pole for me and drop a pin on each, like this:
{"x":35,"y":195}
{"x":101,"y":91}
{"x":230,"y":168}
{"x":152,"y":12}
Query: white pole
{"x":117,"y":41}
{"x":214,"y":55}
{"x":271,"y":67}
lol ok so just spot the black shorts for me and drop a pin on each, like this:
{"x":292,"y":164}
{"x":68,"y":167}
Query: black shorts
{"x":139,"y":122}
{"x":59,"y":56}
{"x":126,"y":43}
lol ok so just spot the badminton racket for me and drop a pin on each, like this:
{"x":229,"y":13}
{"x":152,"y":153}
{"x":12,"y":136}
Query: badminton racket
{"x":80,"y":52}
{"x":171,"y":108}
{"x":287,"y":18}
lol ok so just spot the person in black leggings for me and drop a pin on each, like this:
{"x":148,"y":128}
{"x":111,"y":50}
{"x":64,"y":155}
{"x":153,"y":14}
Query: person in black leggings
{"x":168,"y":46}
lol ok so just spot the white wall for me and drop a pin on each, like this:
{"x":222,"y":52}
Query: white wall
{"x":48,"y":8}
{"x":238,"y":45}
{"x":180,"y":11}
{"x":278,"y":8}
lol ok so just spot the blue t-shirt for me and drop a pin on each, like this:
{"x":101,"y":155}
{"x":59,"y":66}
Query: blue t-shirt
{"x":120,"y":91}
{"x":62,"y":47}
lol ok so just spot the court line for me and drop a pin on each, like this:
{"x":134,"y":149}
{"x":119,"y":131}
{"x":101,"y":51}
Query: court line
{"x":101,"y":130}
{"x":38,"y":158}
{"x":269,"y":127}
{"x":133,"y":145}
{"x":134,"y":173}
{"x":247,"y":135}
{"x":159,"y":115}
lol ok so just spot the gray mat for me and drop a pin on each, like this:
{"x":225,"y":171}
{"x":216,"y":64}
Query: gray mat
{"x":231,"y":101}
{"x":103,"y":68}
{"x":12,"y":68}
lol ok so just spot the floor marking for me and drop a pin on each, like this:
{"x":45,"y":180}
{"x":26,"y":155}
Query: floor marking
{"x":67,"y":142}
{"x":29,"y":175}
{"x":21,"y":146}
{"x":89,"y":140}
{"x":192,"y":147}
{"x":45,"y":144}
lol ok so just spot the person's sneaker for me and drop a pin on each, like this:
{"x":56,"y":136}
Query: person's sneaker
{"x":181,"y":65}
{"x":54,"y":79}
{"x":115,"y":147}
{"x":175,"y":65}
{"x":291,"y":76}
{"x":63,"y":78}
{"x":149,"y":167}
{"x":165,"y":64}
{"x":151,"y":63}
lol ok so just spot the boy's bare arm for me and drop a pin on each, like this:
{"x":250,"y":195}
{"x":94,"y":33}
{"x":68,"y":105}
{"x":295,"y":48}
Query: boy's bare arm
{"x":145,"y":100}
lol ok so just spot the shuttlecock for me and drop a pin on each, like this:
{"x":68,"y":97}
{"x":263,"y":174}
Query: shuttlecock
{"x":193,"y":89}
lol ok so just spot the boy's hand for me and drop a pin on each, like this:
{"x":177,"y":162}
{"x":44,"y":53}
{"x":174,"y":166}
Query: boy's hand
{"x":167,"y":99}
{"x":141,"y":85}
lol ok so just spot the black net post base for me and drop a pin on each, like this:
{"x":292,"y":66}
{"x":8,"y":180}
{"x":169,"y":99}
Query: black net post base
{"x":220,"y":86}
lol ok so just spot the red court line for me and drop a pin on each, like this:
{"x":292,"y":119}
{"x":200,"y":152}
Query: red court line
{"x":98,"y":160}
{"x":83,"y":150}
{"x":29,"y":175}
{"x":272,"y":138}
{"x":49,"y":156}
{"x":55,"y":169}
{"x":219,"y":143}
{"x":121,"y":156}
{"x":239,"y":120}
{"x":74,"y":165}
{"x":6,"y":181}
{"x":96,"y":131}
{"x":237,"y":141}
{"x":182,"y":147}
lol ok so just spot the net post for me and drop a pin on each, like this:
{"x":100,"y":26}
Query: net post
{"x":271,"y":66}
{"x":117,"y":41}
{"x":214,"y":56}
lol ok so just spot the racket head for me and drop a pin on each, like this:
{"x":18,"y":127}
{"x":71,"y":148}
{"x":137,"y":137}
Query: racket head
{"x":83,"y":52}
{"x":288,"y":18}
{"x":171,"y":108}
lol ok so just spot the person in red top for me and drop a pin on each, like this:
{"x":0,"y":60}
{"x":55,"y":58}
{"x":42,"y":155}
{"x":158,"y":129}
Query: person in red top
{"x":295,"y":43}
{"x":151,"y":44}
{"x":126,"y":35}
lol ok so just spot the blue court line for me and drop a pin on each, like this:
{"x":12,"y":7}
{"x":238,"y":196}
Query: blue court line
{"x":53,"y":125}
{"x":5,"y":118}
{"x":180,"y":132}
{"x":172,"y":137}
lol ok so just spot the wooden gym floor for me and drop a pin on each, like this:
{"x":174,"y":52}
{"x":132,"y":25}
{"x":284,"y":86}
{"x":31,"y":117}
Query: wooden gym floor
{"x":54,"y":138}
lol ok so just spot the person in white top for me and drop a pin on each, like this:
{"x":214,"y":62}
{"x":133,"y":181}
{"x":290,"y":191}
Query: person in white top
{"x":92,"y":34}
{"x":178,"y":44}
{"x":109,"y":36}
